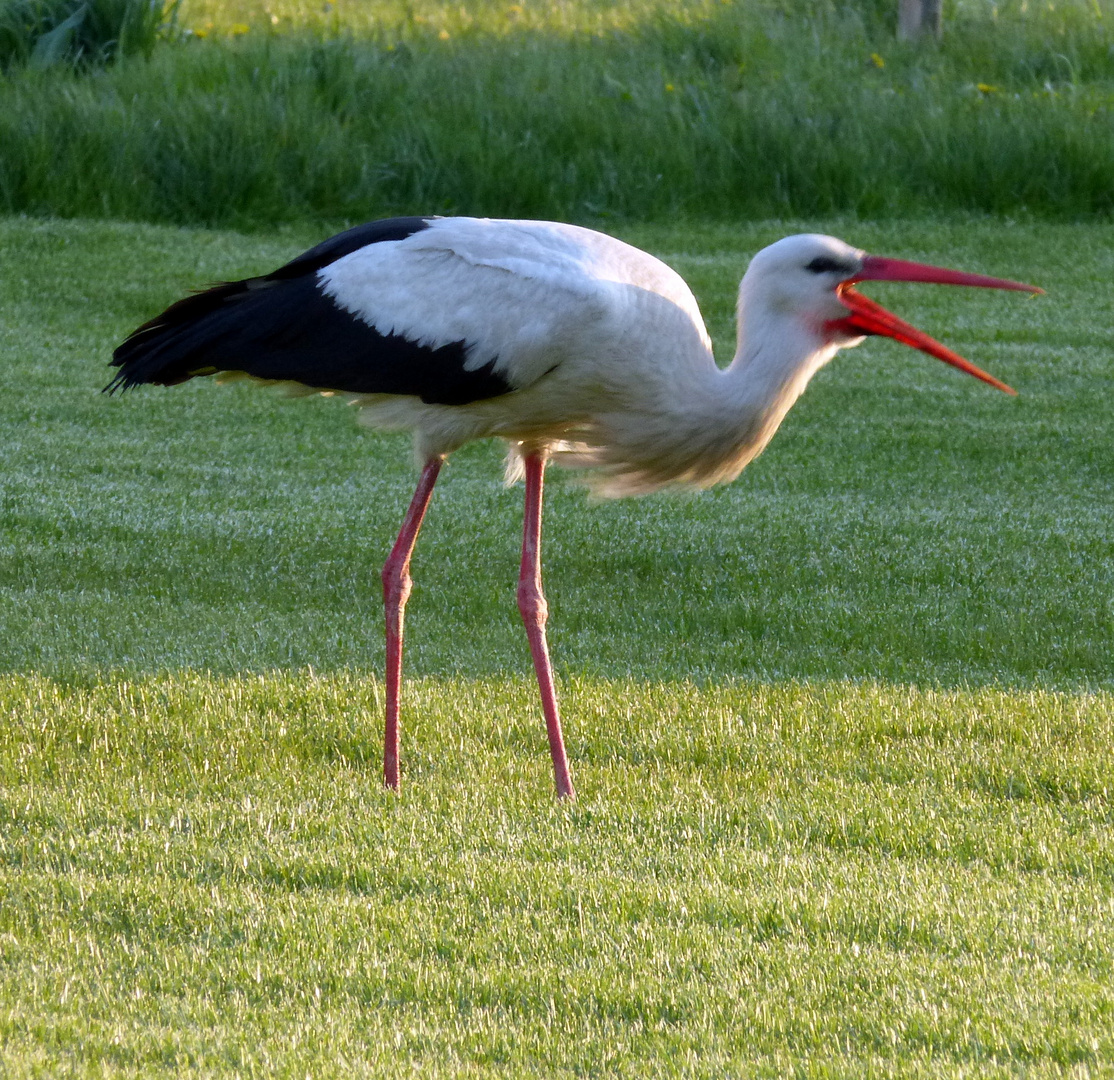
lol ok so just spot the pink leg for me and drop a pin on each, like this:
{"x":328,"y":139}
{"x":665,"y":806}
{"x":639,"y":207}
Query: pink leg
{"x":396,"y":588}
{"x":532,"y":605}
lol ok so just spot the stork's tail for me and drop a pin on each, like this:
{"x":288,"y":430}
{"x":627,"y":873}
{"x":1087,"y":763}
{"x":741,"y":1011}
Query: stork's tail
{"x":181,"y":343}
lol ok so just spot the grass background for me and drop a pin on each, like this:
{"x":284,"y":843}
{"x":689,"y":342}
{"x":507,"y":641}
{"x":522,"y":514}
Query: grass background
{"x":908,"y":524}
{"x":841,"y":730}
{"x":574,"y":110}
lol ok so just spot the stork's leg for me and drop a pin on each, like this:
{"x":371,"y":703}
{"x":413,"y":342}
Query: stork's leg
{"x":532,"y":605}
{"x":396,"y":588}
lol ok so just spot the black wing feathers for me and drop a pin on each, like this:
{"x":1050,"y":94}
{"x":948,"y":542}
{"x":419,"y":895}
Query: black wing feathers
{"x":350,"y":240}
{"x":282,"y":326}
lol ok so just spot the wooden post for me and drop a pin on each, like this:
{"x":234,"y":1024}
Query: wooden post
{"x":916,"y":18}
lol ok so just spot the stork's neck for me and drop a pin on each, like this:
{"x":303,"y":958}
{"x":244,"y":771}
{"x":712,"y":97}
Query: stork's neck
{"x":774,"y":361}
{"x":744,"y":405}
{"x":702,"y":425}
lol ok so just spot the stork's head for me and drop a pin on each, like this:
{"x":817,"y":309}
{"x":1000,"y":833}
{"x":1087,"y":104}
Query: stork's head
{"x":811,"y":279}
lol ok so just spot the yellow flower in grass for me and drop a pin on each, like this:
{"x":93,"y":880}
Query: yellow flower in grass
{"x":877,"y":61}
{"x":986,"y":88}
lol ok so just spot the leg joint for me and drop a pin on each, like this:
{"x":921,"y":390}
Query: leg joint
{"x":532,"y":603}
{"x":396,"y":580}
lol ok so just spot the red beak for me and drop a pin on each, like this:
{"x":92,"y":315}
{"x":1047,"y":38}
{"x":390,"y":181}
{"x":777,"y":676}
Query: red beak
{"x":867,"y":317}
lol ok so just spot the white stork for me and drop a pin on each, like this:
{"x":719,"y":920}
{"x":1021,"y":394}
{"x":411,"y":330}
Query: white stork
{"x":564,"y":342}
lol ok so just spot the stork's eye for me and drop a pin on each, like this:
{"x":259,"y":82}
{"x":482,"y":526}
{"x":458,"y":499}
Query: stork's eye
{"x":824,"y":264}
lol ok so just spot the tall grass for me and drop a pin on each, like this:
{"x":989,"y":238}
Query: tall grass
{"x":43,"y":33}
{"x":723,"y":110}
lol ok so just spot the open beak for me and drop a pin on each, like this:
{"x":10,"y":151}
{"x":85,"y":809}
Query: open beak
{"x":868,"y":317}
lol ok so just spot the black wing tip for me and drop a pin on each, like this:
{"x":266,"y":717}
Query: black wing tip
{"x":126,"y":379}
{"x":151,"y":353}
{"x":119,"y":382}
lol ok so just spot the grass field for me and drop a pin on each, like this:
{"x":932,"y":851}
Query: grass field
{"x":841,"y":731}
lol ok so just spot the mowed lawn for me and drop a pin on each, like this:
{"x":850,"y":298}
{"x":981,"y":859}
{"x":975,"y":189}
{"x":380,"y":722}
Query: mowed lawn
{"x":841,"y":731}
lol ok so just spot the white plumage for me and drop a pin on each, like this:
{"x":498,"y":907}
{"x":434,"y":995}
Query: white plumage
{"x":565,"y":342}
{"x":596,"y":337}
